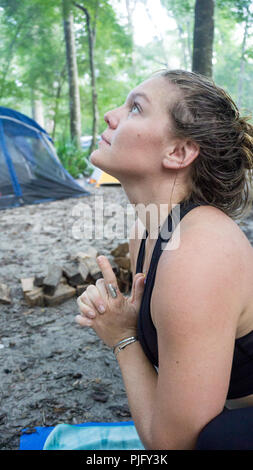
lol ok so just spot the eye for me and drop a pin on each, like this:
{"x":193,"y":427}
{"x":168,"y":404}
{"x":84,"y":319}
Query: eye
{"x":135,"y":108}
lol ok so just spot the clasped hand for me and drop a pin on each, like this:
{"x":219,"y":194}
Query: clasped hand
{"x":113,"y":319}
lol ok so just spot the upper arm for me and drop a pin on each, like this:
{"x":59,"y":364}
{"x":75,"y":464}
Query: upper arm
{"x":195,"y":304}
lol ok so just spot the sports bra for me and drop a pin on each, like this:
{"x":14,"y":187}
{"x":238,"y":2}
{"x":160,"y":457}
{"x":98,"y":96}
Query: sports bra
{"x":241,"y":379}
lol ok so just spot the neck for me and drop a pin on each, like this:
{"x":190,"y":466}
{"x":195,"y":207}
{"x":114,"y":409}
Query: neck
{"x":153,"y":201}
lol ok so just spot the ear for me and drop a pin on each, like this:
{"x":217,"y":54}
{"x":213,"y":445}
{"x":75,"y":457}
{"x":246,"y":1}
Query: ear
{"x":181,"y":154}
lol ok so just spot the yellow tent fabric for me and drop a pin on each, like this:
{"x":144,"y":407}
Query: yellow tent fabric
{"x":100,"y":177}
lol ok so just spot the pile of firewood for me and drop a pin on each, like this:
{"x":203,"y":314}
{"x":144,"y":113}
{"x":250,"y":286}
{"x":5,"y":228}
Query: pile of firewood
{"x":71,"y":279}
{"x":5,"y":294}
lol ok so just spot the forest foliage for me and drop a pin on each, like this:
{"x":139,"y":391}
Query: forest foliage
{"x":35,"y":74}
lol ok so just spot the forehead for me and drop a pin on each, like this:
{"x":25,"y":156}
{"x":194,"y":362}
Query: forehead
{"x":159,"y":91}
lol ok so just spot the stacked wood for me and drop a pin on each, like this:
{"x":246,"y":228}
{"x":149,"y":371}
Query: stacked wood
{"x":122,"y":260}
{"x":5,"y":294}
{"x":63,"y":282}
{"x":32,"y":293}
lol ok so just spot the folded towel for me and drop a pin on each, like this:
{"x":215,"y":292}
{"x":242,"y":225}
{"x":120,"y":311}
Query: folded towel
{"x":94,"y":436}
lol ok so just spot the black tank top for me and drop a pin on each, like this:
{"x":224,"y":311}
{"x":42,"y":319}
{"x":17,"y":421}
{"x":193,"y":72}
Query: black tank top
{"x":241,"y":381}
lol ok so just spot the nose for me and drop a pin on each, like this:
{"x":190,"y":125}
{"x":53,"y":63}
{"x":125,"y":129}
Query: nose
{"x":111,"y":119}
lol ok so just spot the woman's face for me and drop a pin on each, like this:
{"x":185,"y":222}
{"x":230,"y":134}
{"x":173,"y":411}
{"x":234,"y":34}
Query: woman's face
{"x":138,"y":132}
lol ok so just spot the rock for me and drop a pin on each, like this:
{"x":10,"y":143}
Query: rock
{"x":121,"y":411}
{"x":41,"y":320}
{"x":5,"y":294}
{"x":63,"y":292}
{"x":52,"y":279}
{"x":100,"y":396}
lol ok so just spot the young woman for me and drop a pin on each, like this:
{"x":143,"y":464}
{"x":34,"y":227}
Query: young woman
{"x":184,"y":338}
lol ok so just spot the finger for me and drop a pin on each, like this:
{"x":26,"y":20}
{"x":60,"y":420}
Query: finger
{"x":138,"y":288}
{"x":96,"y":298}
{"x":86,"y":310}
{"x":100,"y":284}
{"x":135,"y":281}
{"x":85,"y":299}
{"x":82,"y":321}
{"x":108,"y":274}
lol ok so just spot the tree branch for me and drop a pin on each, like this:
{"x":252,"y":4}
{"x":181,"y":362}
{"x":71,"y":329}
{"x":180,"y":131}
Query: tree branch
{"x":84,"y":10}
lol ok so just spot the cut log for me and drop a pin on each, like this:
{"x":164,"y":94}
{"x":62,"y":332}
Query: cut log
{"x":123,"y":262}
{"x":5,"y":294}
{"x":93,"y":268}
{"x":124,"y":281}
{"x":115,"y":267}
{"x":63,"y":292}
{"x":27,"y":284}
{"x":89,"y":252}
{"x":76,"y":274}
{"x":80,"y":289}
{"x":34,"y":297}
{"x":38,"y":281}
{"x":121,"y":250}
{"x":52,"y":279}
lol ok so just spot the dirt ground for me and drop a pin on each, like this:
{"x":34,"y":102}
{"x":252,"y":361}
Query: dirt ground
{"x":51,"y":370}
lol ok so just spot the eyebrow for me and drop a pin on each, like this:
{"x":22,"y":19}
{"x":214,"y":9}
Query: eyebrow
{"x":141,"y":94}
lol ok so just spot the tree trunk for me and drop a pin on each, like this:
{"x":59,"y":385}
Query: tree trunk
{"x":9,"y":54}
{"x":92,"y":40}
{"x":37,"y":107}
{"x":37,"y":112}
{"x":74,"y":98}
{"x":203,"y":37}
{"x":242,"y":64}
{"x":130,"y":7}
{"x":57,"y":99}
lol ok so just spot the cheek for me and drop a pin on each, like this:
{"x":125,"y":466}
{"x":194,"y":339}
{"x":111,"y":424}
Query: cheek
{"x":141,"y":141}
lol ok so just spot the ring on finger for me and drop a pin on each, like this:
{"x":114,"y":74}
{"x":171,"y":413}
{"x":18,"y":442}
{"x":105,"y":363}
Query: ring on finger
{"x":112,"y":290}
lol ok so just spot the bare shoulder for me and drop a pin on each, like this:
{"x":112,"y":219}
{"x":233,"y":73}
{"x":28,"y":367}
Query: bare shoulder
{"x":209,"y":265}
{"x":209,"y":226}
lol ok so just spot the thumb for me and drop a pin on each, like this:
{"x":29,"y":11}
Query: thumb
{"x":138,"y":287}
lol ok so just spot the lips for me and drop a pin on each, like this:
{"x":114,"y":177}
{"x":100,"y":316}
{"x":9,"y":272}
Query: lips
{"x":105,"y":139}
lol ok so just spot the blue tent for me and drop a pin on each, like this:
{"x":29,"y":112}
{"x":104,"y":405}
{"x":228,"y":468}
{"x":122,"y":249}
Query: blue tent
{"x":30,"y":170}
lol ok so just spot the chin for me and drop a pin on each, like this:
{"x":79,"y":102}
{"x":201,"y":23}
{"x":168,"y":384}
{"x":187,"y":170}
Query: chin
{"x":97,"y":159}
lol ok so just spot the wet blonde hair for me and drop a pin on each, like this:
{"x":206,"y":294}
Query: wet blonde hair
{"x":221,"y":175}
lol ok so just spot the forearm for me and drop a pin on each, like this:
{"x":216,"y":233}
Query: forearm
{"x":140,"y":379}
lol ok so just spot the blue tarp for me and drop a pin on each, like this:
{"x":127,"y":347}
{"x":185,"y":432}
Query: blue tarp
{"x":30,"y":170}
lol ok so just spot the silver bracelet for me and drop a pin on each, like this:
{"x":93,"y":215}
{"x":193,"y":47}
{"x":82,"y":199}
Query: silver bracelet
{"x":122,"y":344}
{"x":123,"y":341}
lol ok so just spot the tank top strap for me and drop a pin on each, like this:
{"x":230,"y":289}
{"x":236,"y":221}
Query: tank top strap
{"x":165,"y":233}
{"x":146,"y":329}
{"x":169,"y":225}
{"x":140,"y":258}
